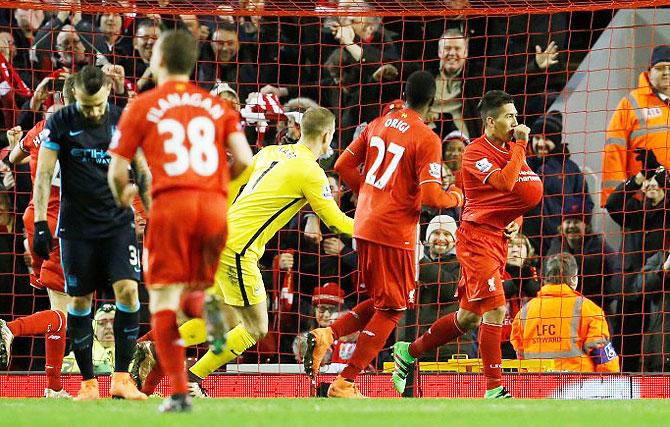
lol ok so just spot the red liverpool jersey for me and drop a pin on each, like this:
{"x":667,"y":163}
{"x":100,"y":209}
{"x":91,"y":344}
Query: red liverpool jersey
{"x":182,"y":131}
{"x":401,"y":153}
{"x":30,"y":144}
{"x":484,"y":204}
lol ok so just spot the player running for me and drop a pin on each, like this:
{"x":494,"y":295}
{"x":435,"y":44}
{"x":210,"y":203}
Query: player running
{"x":45,"y":274}
{"x":499,"y":188}
{"x":97,"y":239}
{"x":184,"y":133}
{"x":280,"y":182}
{"x":402,"y":171}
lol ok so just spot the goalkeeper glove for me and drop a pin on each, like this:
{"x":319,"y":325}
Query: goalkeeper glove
{"x":43,"y":242}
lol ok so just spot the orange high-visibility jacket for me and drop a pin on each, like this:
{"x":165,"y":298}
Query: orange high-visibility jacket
{"x":641,"y":120}
{"x":559,"y":324}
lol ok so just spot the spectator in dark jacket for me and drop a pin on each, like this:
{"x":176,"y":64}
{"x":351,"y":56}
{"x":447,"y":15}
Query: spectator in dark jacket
{"x":137,"y":66}
{"x":599,"y":266}
{"x":653,"y":283}
{"x":439,"y":273}
{"x":640,"y":207}
{"x":461,"y":82}
{"x":111,"y":40}
{"x":564,"y":183}
{"x":228,"y":63}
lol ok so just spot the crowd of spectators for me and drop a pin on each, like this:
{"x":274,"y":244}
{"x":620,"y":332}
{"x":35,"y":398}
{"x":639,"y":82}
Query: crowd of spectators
{"x":354,"y":66}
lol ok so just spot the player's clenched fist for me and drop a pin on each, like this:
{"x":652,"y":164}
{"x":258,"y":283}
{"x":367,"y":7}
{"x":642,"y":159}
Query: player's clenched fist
{"x":521,"y":132}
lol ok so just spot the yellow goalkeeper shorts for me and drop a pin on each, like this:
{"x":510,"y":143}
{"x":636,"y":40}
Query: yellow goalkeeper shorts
{"x":239,"y":280}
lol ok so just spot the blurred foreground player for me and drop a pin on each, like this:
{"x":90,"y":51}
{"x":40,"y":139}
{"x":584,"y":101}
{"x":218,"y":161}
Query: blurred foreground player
{"x":52,"y":324}
{"x":402,"y":170}
{"x":499,"y":188}
{"x":97,"y":239}
{"x":184,"y":133}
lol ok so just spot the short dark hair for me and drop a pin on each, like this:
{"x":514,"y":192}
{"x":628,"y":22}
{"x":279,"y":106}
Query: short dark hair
{"x":180,"y":51}
{"x":420,"y":89}
{"x":492,"y":101}
{"x":559,"y":268}
{"x":227,"y":26}
{"x":90,"y":79}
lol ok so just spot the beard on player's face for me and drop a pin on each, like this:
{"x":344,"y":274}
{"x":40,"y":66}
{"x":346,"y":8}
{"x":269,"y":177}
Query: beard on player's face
{"x":93,"y":108}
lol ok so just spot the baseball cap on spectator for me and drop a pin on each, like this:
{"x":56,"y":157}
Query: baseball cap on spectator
{"x":550,"y":126}
{"x":441,"y":222}
{"x":329,"y":293}
{"x":577,"y":210}
{"x":456,"y":134}
{"x":660,"y":53}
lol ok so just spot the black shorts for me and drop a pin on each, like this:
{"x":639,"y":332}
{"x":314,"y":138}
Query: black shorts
{"x":94,"y":264}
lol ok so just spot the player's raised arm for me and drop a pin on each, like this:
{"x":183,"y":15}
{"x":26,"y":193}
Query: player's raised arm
{"x":505,"y":178}
{"x":317,"y":130}
{"x":316,"y":188}
{"x":347,"y":165}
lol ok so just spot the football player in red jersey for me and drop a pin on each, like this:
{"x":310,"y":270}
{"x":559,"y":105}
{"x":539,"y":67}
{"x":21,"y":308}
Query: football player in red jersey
{"x":499,"y":188}
{"x":402,"y":170}
{"x":45,"y":274}
{"x":184,"y":132}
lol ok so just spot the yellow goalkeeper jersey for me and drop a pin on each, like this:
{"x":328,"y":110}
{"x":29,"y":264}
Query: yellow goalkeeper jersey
{"x":280,"y":181}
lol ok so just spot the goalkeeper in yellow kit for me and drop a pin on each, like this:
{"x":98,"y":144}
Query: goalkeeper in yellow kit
{"x":279,"y":182}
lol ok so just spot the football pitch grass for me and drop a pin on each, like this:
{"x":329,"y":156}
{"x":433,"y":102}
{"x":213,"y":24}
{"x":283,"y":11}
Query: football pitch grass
{"x":331,"y":412}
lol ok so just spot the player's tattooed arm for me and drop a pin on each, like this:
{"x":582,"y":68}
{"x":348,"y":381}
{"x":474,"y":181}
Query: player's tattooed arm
{"x":142,"y":179}
{"x":45,"y":170}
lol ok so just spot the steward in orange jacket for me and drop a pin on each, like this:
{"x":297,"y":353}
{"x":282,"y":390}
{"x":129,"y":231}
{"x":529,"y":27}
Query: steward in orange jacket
{"x":563,"y":325}
{"x":641,"y":121}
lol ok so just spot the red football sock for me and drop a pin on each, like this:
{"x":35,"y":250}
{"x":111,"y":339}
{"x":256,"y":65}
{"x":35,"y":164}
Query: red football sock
{"x":170,"y":353}
{"x":191,"y":303}
{"x":444,"y":330}
{"x":371,"y":341}
{"x":55,"y":351}
{"x":149,"y":336}
{"x":38,"y":323}
{"x":355,"y":320}
{"x":153,"y":378}
{"x":489,"y":348}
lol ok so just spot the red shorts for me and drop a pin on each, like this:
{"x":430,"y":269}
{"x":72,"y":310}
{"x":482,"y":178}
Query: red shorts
{"x":46,"y":274}
{"x":186,"y":234}
{"x":482,"y":253}
{"x":389,"y":274}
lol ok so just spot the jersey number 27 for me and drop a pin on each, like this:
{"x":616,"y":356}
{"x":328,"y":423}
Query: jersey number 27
{"x":202,"y":156}
{"x":395,"y":150}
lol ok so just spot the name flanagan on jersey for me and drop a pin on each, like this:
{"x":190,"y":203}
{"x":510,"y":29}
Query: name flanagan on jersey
{"x":185,"y":99}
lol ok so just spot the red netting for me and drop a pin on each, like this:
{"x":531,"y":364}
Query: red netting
{"x":292,"y":49}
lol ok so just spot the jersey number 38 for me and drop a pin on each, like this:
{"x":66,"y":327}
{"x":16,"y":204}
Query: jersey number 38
{"x":200,"y":154}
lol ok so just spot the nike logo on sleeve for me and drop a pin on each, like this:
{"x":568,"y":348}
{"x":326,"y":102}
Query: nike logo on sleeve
{"x":76,"y":132}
